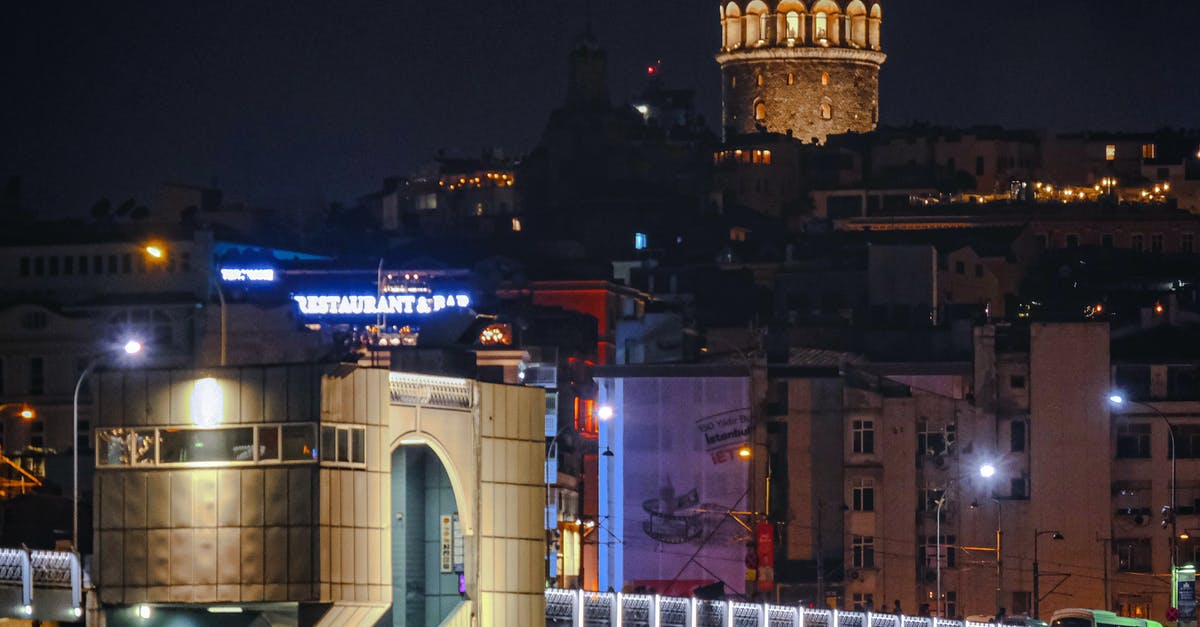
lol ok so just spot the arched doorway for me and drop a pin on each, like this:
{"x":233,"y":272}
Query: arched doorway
{"x":427,"y":551}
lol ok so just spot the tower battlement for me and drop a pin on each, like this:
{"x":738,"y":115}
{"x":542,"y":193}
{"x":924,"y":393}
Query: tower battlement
{"x":811,"y":70}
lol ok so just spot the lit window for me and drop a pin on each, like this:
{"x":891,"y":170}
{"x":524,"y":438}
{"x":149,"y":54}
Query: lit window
{"x":733,"y":81}
{"x":760,"y":111}
{"x":1147,"y":151}
{"x":826,"y":111}
{"x":825,"y":78}
{"x":640,"y":241}
{"x":791,"y":78}
{"x":821,"y":27}
{"x":793,"y":25}
{"x":1110,"y":152}
{"x":759,"y":80}
{"x":516,"y":224}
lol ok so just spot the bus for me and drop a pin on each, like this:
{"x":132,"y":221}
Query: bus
{"x":1076,"y":617}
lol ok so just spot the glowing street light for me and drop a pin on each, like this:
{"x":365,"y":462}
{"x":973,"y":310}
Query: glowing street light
{"x":987,"y":471}
{"x":155,"y":251}
{"x":604,"y":412}
{"x":132,"y":347}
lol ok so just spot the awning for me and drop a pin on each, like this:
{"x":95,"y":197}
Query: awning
{"x":352,"y":615}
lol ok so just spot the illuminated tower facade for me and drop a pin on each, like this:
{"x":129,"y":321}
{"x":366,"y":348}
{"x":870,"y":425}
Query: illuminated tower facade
{"x":806,"y":68}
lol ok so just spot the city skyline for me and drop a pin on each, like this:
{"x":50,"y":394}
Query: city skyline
{"x":319,"y":105}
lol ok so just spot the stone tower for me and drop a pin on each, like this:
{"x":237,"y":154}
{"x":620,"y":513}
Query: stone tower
{"x":810,"y":69}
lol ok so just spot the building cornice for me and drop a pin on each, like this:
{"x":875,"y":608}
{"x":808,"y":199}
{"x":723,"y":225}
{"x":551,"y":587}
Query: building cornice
{"x":777,"y":53}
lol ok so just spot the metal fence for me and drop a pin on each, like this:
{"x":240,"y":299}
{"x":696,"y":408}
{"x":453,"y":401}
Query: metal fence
{"x":33,"y":570}
{"x":580,"y":608}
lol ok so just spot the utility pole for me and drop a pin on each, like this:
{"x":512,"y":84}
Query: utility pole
{"x":820,"y":559}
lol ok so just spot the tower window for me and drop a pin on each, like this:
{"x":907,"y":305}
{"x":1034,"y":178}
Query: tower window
{"x":759,"y":80}
{"x":821,"y":27}
{"x":826,"y":111}
{"x":760,"y":111}
{"x":733,"y":81}
{"x":1110,"y":152}
{"x":793,"y":25}
{"x":825,"y":78}
{"x":791,"y":78}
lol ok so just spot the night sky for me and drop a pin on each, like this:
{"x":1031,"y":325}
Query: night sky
{"x":303,"y":102}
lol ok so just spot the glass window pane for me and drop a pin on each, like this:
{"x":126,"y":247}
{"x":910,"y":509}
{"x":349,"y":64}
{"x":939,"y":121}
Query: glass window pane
{"x":343,"y":443}
{"x":143,"y":446}
{"x":207,"y":445}
{"x":358,"y":446}
{"x":268,"y":443}
{"x":298,"y":443}
{"x":112,"y":447}
{"x":328,"y":444}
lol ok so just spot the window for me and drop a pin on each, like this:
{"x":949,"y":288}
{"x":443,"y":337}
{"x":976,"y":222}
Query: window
{"x":1016,"y":381}
{"x":34,"y":320}
{"x":960,"y":267}
{"x":112,"y":264}
{"x":1106,"y":240}
{"x":1147,"y":151}
{"x":1017,"y":435}
{"x":260,"y":444}
{"x":1133,"y":441}
{"x":83,"y":264}
{"x":1156,"y":243}
{"x":951,"y":603}
{"x":126,"y":263}
{"x":1187,"y":243}
{"x":37,"y":376}
{"x":933,"y":440}
{"x":1110,"y":152}
{"x":791,"y":80}
{"x":97,"y":264}
{"x":53,"y":266}
{"x":940,"y":552}
{"x":863,"y":552}
{"x":864,"y":495}
{"x":343,"y":444}
{"x":793,"y":26}
{"x":1019,"y":488}
{"x":979,"y":166}
{"x":1133,"y":554}
{"x":760,"y":111}
{"x":640,"y":241}
{"x":821,"y":29}
{"x":825,"y":79}
{"x":978,"y":270}
{"x":516,"y":224}
{"x":69,"y":264}
{"x":733,"y":81}
{"x":826,"y":111}
{"x":758,"y":80}
{"x":1136,"y":242}
{"x":183,"y":446}
{"x":864,"y":436}
{"x":25,"y":266}
{"x":39,"y":266}
{"x":863,"y":601}
{"x":928,"y":497}
{"x":1186,"y":441}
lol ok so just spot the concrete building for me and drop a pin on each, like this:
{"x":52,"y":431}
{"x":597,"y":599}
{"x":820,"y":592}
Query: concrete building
{"x":318,"y":495}
{"x":809,"y":71}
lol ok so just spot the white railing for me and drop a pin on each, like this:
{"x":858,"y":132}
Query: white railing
{"x":31,"y":570}
{"x":415,"y":389}
{"x":580,"y":608}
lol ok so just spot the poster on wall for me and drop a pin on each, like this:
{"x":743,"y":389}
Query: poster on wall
{"x":680,"y":480}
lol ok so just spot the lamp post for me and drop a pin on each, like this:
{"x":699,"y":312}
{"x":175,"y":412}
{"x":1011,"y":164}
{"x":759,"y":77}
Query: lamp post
{"x":603,"y":413}
{"x":1118,"y":400}
{"x":941,"y":500}
{"x":131,"y":347}
{"x":1037,"y":600}
{"x":987,"y":471}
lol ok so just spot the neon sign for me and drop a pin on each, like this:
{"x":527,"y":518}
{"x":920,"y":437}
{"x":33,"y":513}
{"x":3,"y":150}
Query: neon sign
{"x":370,"y":305}
{"x":252,"y":275}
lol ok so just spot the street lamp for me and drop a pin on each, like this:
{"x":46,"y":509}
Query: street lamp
{"x":1118,"y":400}
{"x":130,"y":347}
{"x":1037,"y":600}
{"x":987,"y":471}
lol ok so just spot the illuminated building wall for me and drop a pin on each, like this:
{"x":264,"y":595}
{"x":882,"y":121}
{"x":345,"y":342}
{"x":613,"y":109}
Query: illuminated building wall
{"x":811,"y":72}
{"x":665,"y":492}
{"x":267,"y":487}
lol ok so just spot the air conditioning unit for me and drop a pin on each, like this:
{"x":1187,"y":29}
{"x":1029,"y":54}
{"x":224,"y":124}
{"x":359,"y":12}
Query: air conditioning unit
{"x":853,"y":575}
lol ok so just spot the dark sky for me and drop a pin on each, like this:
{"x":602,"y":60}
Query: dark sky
{"x":299,"y":101}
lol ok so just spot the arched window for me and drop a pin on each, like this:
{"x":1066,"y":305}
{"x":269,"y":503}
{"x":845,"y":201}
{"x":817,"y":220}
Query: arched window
{"x":759,"y":80}
{"x":793,"y":25}
{"x":733,"y":26}
{"x":826,"y":111}
{"x":760,"y":111}
{"x":790,"y":21}
{"x":791,"y":78}
{"x":825,"y":22}
{"x":856,"y":25}
{"x":873,"y":27}
{"x":821,"y":28}
{"x":756,"y":21}
{"x":825,"y":79}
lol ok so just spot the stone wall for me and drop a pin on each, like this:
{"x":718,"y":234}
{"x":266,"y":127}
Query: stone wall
{"x":792,"y":91}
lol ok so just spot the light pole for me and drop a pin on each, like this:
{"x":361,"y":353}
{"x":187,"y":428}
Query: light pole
{"x":987,"y":471}
{"x":603,"y":413}
{"x":131,"y":347}
{"x":1118,"y":400}
{"x":1037,"y":600}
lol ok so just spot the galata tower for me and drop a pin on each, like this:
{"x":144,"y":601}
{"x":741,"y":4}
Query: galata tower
{"x":811,"y":70}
